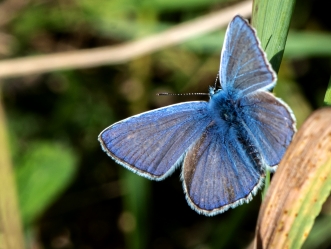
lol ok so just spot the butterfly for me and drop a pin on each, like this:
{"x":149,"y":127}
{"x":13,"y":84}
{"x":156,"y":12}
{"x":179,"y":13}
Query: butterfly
{"x":225,"y":145}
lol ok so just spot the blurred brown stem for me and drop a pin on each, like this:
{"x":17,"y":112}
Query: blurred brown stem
{"x":124,"y":52}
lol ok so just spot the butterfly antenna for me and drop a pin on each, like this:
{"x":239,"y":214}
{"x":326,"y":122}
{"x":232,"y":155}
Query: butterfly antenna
{"x":181,"y":94}
{"x":217,"y":77}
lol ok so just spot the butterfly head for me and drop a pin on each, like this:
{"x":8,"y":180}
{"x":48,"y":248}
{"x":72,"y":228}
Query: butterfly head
{"x":213,"y":90}
{"x":216,"y":88}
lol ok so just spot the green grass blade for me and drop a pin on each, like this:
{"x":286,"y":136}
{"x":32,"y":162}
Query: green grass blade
{"x":134,"y":220}
{"x":266,"y":184}
{"x":327,"y":98}
{"x":271,"y":19}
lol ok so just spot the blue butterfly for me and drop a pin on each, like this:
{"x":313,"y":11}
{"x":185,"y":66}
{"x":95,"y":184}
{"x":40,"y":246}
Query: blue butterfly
{"x":224,"y":145}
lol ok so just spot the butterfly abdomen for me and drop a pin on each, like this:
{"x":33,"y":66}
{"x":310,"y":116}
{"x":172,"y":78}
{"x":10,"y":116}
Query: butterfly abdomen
{"x":228,"y":113}
{"x":248,"y":145}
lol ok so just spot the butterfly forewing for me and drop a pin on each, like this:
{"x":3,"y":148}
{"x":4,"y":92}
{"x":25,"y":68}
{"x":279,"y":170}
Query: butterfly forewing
{"x":152,"y":144}
{"x":244,"y":67}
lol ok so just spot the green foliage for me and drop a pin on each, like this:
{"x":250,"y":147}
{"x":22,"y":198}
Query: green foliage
{"x":305,"y":44}
{"x":46,"y":18}
{"x":319,"y":237}
{"x":291,"y":93}
{"x":45,"y":171}
{"x":271,"y":19}
{"x":327,"y":98}
{"x":299,"y":44}
{"x":52,"y":115}
{"x":310,"y":205}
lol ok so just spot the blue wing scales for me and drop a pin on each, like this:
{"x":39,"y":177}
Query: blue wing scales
{"x":271,"y":122}
{"x":221,"y":170}
{"x":153,"y":143}
{"x":244,"y":67}
{"x":226,"y":144}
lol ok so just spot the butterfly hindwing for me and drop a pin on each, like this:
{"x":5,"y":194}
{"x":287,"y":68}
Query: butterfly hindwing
{"x":151,"y":144}
{"x":272,"y":123}
{"x":221,"y":170}
{"x":244,"y":67}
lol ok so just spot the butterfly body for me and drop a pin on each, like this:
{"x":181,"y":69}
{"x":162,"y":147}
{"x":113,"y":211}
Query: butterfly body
{"x":225,"y":145}
{"x":224,"y":108}
{"x":228,"y":113}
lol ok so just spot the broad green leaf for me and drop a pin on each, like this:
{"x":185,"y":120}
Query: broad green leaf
{"x":45,"y":171}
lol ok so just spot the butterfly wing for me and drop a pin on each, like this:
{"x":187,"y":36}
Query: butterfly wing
{"x":244,"y":67}
{"x":221,"y":170}
{"x":272,"y":123}
{"x":153,"y":143}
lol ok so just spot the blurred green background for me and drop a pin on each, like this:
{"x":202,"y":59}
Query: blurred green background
{"x":71,"y":194}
